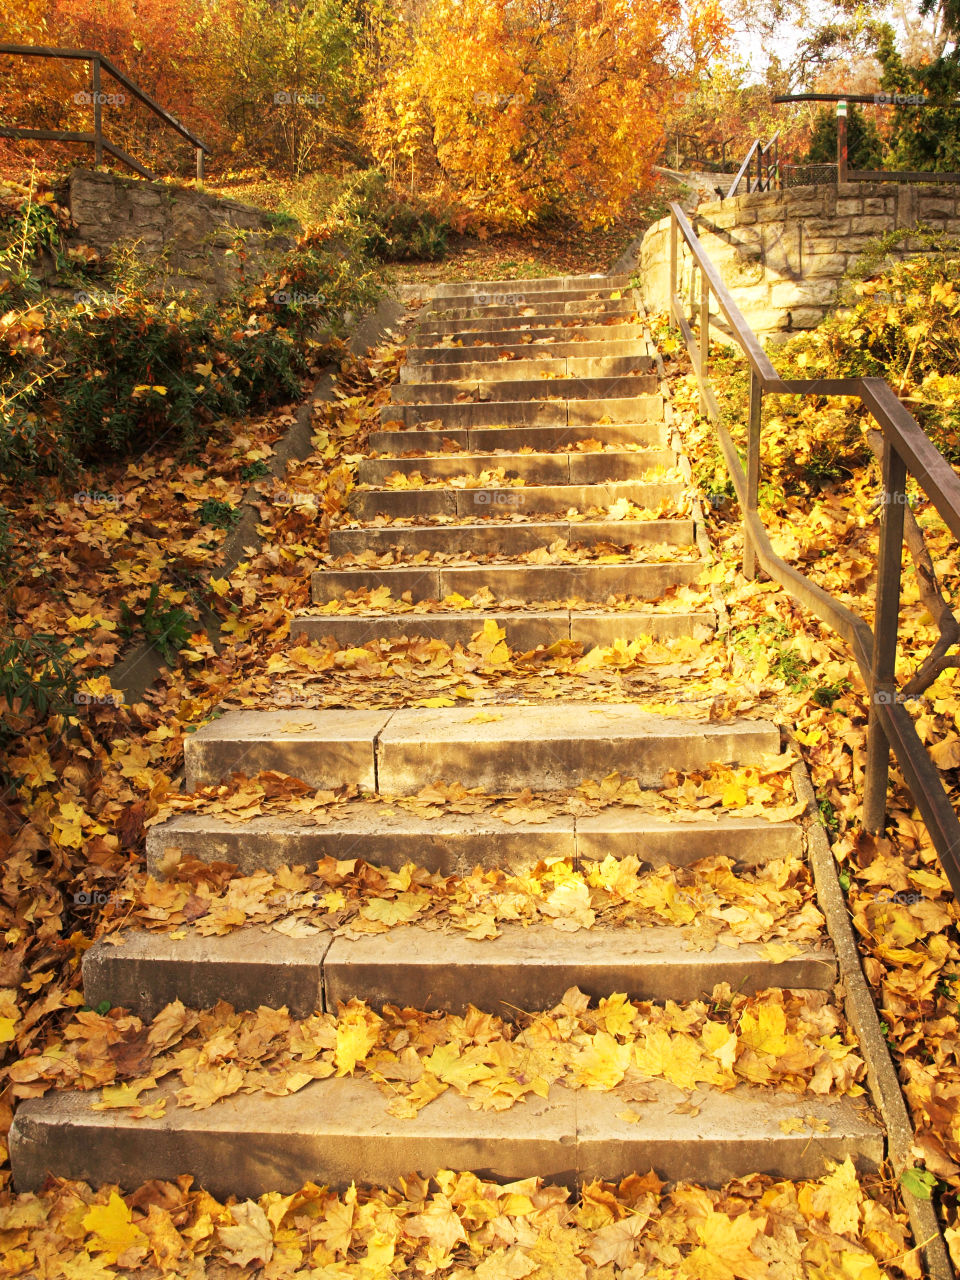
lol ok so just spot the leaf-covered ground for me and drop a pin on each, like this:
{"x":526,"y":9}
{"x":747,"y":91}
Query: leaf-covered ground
{"x":87,"y":774}
{"x":820,"y":499}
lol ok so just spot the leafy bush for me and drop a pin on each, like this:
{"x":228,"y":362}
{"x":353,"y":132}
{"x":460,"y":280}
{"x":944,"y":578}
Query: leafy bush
{"x":391,"y":227}
{"x":107,"y":377}
{"x":37,"y":679}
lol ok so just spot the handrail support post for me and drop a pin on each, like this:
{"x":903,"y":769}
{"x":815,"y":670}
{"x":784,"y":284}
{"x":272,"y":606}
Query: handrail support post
{"x":97,"y":115}
{"x":674,"y":256}
{"x":883,"y":686}
{"x":753,"y":473}
{"x":704,"y":339}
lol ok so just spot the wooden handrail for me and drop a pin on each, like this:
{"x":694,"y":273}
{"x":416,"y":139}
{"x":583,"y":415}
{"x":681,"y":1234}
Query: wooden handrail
{"x":907,"y":449}
{"x":99,"y":62}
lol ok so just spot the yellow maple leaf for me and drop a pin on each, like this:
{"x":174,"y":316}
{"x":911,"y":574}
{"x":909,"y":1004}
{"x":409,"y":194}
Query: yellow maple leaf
{"x":112,"y":1228}
{"x":358,"y":1030}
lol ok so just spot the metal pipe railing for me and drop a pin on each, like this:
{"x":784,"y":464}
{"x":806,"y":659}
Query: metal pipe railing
{"x":99,"y":63}
{"x":907,"y":451}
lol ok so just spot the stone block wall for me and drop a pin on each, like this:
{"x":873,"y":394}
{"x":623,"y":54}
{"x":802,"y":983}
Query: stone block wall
{"x":782,"y":254}
{"x":185,"y":233}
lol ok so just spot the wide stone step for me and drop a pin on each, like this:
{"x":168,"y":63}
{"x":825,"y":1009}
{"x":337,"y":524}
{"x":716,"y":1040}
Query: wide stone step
{"x":557,"y":367}
{"x":526,"y":968}
{"x":540,"y":284}
{"x":454,"y":843}
{"x":500,"y":537}
{"x":524,"y":631}
{"x":365,"y":504}
{"x":399,"y":751}
{"x":585,"y":309}
{"x":334,"y":1131}
{"x":533,"y":468}
{"x":529,"y":968}
{"x":515,"y":413}
{"x":535,"y":354}
{"x":507,"y":329}
{"x":467,"y":439}
{"x":648,"y":580}
{"x":621,"y":385}
{"x":525,"y":296}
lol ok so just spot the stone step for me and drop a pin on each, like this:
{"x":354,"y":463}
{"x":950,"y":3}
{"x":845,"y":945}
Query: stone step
{"x":624,"y":384}
{"x":526,"y":968}
{"x":515,"y":413}
{"x":399,"y":751}
{"x":365,"y":504}
{"x":454,"y":843}
{"x":647,"y":434}
{"x":527,"y":295}
{"x":500,"y":537}
{"x":334,"y":1131}
{"x":585,"y":309}
{"x":540,"y":284}
{"x":533,"y":468}
{"x":645,"y":580}
{"x":533,"y":353}
{"x":524,"y":631}
{"x":509,"y":330}
{"x":556,"y":367}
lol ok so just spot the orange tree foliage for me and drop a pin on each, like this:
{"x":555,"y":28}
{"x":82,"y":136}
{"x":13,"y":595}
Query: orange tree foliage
{"x":527,"y":109}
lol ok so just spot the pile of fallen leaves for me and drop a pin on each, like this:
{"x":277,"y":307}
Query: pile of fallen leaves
{"x":123,"y":554}
{"x":820,"y":499}
{"x":795,"y":1040}
{"x":456,"y":1225}
{"x":709,"y":900}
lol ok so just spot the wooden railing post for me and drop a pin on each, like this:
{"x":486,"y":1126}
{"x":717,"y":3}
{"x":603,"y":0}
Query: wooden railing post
{"x":841,"y":142}
{"x":704,"y":339}
{"x":674,"y":253}
{"x":97,"y":115}
{"x":753,"y":473}
{"x":199,"y":166}
{"x":883,"y":683}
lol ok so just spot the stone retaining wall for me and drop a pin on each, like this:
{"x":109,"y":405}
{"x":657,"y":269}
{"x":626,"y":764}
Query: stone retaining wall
{"x":184,"y":232}
{"x":783,"y":253}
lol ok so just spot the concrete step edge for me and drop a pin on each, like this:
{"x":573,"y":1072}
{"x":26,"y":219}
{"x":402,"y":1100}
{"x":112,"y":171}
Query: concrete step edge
{"x":334,"y":1130}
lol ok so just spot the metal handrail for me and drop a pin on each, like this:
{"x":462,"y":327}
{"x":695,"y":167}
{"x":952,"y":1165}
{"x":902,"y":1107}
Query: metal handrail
{"x":768,"y":170}
{"x":907,"y":449}
{"x":99,"y":63}
{"x":741,"y":172}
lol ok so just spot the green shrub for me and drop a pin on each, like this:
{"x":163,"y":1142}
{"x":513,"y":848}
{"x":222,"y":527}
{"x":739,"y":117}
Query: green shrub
{"x":392,"y":227}
{"x":37,"y":679}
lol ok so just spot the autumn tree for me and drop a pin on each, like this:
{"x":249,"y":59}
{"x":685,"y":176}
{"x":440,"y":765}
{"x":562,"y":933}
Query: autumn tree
{"x":534,"y":109}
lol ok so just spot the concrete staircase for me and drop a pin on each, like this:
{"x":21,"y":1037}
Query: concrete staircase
{"x":504,"y":381}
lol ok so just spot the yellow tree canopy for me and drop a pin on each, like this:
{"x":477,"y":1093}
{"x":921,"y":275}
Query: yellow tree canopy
{"x":527,"y":108}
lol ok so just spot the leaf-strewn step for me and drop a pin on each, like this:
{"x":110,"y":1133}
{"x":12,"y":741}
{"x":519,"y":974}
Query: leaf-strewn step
{"x":333,"y":1130}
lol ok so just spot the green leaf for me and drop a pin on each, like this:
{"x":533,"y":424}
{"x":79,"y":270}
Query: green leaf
{"x":919,"y":1182}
